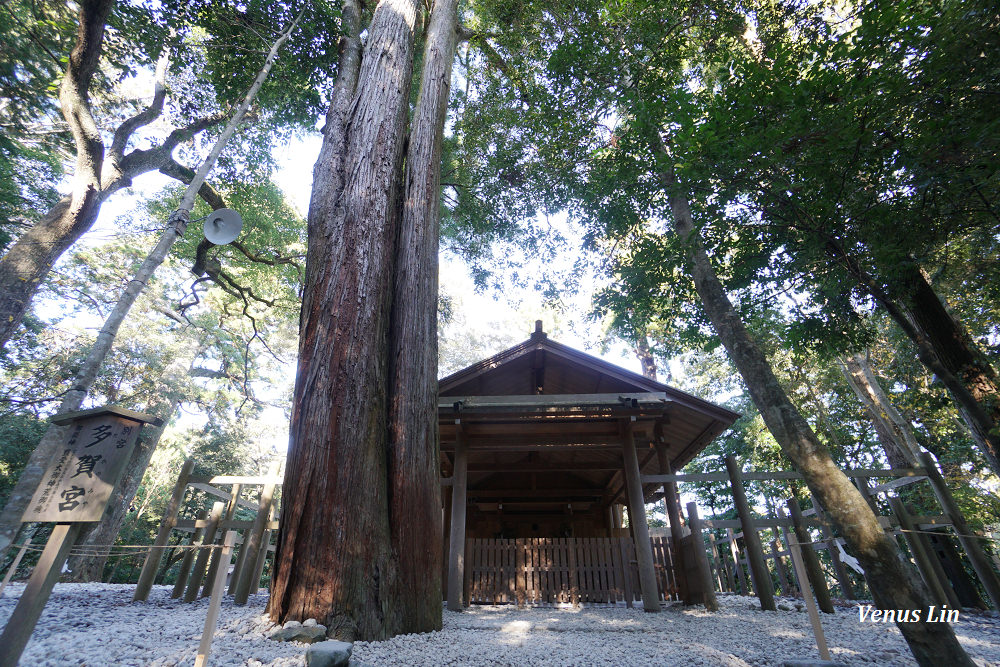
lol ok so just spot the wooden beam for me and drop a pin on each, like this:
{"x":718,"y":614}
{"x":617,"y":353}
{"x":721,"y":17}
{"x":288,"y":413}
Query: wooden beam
{"x":779,"y":475}
{"x":589,"y":492}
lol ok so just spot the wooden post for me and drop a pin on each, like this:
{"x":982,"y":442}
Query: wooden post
{"x":167,"y":524}
{"x":13,"y":566}
{"x":637,"y":522}
{"x":242,"y":576}
{"x":751,"y":540}
{"x":951,"y":562}
{"x":201,"y":561}
{"x":674,"y":517}
{"x":987,"y":577}
{"x":794,"y":585}
{"x":36,"y":593}
{"x":779,"y":567}
{"x":445,"y":532}
{"x":213,"y":568}
{"x":734,"y":551}
{"x":920,"y":556}
{"x":800,"y":572}
{"x":265,"y":545}
{"x":809,"y":561}
{"x":219,"y":587}
{"x":701,"y":559}
{"x":831,"y":547}
{"x":936,"y":565}
{"x":188,"y":559}
{"x":456,"y":550}
{"x":626,"y":571}
{"x":721,"y":571}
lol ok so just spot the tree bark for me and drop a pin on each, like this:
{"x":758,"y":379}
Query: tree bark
{"x":970,"y":378}
{"x":894,"y":434}
{"x":414,"y":462}
{"x":334,"y":561}
{"x":943,"y":346}
{"x":893,"y":585}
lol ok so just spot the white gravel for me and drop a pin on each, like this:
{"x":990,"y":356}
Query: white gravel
{"x":98,"y":624}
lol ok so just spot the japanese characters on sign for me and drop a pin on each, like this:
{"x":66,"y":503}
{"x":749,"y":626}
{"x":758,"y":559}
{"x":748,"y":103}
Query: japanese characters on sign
{"x":79,"y":481}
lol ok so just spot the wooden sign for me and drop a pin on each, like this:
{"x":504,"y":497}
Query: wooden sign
{"x":79,"y":480}
{"x":75,"y":489}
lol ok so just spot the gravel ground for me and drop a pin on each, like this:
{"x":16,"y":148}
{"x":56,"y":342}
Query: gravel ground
{"x":98,"y":624}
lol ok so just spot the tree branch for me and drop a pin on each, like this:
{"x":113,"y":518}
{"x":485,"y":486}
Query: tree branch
{"x":142,"y":161}
{"x":147,"y":115}
{"x":74,"y":99}
{"x":185,"y":175}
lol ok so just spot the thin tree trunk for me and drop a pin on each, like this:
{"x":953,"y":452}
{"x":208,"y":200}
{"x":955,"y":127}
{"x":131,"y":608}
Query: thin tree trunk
{"x":334,"y":561}
{"x":644,"y":354}
{"x":894,"y":434}
{"x":99,"y":171}
{"x":29,"y":260}
{"x":414,"y":460}
{"x":10,"y":518}
{"x":893,"y":585}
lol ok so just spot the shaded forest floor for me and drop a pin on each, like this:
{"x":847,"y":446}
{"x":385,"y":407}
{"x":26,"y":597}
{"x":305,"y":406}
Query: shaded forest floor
{"x":98,"y":624}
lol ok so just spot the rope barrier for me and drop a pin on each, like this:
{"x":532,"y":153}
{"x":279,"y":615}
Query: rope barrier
{"x":106,"y":550}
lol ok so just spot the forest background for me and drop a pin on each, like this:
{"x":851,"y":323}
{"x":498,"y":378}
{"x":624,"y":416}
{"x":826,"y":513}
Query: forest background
{"x":835,"y":127}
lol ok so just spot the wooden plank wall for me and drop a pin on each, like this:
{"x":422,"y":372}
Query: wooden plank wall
{"x":543,"y":571}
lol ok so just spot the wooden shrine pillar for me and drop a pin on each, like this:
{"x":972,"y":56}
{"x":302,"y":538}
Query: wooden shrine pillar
{"x":243,"y":583}
{"x":982,"y":566}
{"x":637,"y":522}
{"x":445,"y":531}
{"x":167,"y":524}
{"x":839,"y":569}
{"x":755,"y":552}
{"x":456,"y":548}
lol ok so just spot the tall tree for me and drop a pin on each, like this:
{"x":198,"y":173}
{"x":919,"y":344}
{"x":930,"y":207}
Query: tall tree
{"x":611,"y":80}
{"x":195,"y":40}
{"x":89,"y":369}
{"x":364,"y":411}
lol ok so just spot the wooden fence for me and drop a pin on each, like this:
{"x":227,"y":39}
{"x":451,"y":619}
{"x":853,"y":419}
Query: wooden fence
{"x":735,"y":544}
{"x":594,"y":570}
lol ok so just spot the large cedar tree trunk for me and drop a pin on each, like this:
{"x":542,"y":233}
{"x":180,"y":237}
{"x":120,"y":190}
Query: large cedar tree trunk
{"x":894,"y":585}
{"x":414,"y":464}
{"x":335,"y":561}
